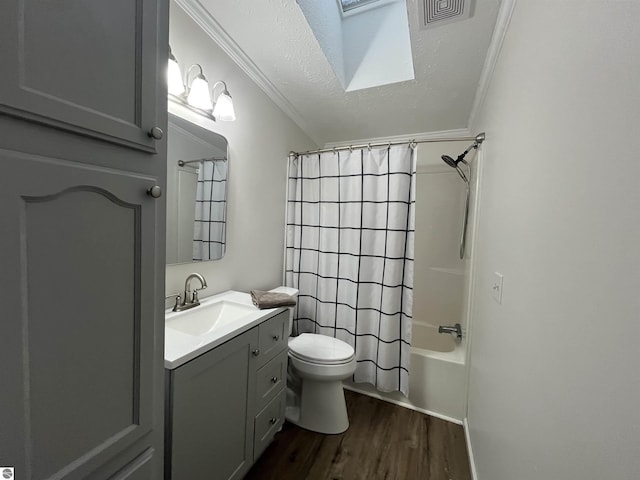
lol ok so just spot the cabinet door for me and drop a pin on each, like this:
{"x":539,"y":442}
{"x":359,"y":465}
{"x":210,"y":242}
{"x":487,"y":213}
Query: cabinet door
{"x":78,"y":317}
{"x":211,"y":410}
{"x":88,"y":67}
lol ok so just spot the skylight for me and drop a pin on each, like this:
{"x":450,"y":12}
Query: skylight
{"x":366,"y":47}
{"x":351,"y":4}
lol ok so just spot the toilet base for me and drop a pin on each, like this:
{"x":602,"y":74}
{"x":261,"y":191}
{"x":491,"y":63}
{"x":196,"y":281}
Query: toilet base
{"x":322,"y":407}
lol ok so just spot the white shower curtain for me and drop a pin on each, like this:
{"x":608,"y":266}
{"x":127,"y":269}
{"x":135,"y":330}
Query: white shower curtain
{"x":350,"y":244}
{"x":210,"y":222}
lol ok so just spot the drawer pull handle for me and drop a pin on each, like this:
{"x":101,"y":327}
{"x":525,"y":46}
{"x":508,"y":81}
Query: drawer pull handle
{"x":256,"y":352}
{"x":276,"y":338}
{"x":273,"y":421}
{"x":274,"y":379}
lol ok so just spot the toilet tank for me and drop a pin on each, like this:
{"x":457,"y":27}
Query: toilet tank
{"x":294,"y":293}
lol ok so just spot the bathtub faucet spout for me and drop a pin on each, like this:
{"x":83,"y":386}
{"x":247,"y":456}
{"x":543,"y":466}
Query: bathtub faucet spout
{"x":456,"y":329}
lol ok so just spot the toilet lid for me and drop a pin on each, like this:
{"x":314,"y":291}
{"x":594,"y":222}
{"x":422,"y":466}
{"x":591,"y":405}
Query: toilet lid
{"x":320,"y":349}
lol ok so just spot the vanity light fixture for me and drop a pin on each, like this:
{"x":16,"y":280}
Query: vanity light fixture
{"x":223,"y":105}
{"x":194,"y":94}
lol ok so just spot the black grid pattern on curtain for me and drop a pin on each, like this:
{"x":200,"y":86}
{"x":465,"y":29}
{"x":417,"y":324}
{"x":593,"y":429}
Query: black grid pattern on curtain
{"x":210,"y":214}
{"x":350,"y":231}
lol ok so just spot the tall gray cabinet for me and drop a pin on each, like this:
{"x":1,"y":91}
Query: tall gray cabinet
{"x":82,"y":238}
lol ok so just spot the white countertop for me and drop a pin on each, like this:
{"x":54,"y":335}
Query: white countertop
{"x":180,"y":347}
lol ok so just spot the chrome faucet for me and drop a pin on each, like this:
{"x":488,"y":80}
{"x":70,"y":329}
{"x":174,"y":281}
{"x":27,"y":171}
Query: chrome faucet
{"x":190,"y":297}
{"x":456,"y":329}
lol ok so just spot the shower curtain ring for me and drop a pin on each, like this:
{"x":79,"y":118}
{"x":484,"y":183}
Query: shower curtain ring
{"x":369,"y":147}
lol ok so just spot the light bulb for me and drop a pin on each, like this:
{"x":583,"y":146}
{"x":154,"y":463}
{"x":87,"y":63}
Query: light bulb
{"x":199,"y":96}
{"x":174,"y":78}
{"x":223,"y":109}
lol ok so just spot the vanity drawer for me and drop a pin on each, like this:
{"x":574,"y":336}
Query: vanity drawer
{"x":273,"y":337}
{"x":270,"y":379}
{"x":268,"y":422}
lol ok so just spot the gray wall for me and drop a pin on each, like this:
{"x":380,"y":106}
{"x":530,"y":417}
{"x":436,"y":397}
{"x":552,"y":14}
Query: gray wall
{"x":259,"y":142}
{"x":554,"y":386}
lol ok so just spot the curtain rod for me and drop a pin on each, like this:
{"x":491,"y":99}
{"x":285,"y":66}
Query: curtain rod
{"x":182,"y":163}
{"x":380,"y":144}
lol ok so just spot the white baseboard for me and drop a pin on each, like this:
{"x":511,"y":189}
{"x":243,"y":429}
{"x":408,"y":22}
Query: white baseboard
{"x":401,"y":404}
{"x":467,"y":437}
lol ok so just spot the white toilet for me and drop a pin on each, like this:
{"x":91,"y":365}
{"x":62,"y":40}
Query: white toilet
{"x":317,"y":366}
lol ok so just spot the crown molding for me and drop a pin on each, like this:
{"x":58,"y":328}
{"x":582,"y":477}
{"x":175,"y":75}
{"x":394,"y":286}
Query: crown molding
{"x":441,"y":136}
{"x":214,"y":30}
{"x":493,"y":53}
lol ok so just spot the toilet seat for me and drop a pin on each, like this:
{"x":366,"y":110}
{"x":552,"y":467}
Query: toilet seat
{"x":320,"y":349}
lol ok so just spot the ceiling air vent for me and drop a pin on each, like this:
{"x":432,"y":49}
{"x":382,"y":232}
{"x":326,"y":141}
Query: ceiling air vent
{"x":440,"y":12}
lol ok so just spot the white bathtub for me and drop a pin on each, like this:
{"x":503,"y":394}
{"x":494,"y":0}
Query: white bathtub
{"x":437,"y":376}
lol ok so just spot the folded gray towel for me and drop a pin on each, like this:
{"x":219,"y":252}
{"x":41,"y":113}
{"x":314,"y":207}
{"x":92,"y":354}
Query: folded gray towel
{"x":264,"y":300}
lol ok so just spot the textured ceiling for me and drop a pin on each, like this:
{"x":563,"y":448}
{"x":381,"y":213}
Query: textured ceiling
{"x":448,"y":61}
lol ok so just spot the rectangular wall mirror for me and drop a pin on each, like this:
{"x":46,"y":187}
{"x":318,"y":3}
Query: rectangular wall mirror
{"x":197,"y":169}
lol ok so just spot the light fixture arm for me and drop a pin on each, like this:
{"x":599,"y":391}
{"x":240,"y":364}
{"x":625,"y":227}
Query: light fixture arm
{"x":223,"y":92}
{"x":172,"y":56}
{"x":189,"y":70}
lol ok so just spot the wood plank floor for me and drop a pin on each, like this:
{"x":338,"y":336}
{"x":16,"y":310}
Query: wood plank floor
{"x":384,"y":441}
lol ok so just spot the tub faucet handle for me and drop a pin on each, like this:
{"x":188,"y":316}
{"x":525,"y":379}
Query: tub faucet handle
{"x":455,"y":329}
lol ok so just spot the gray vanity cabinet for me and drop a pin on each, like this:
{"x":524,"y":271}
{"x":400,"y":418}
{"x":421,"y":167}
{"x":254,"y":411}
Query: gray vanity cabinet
{"x":209,"y":413}
{"x":81,"y":242}
{"x":225,"y":406}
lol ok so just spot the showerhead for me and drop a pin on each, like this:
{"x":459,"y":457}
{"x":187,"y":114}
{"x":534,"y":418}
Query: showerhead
{"x":454,"y":163}
{"x":449,"y":161}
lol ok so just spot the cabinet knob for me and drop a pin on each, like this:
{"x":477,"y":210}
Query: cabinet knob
{"x":276,"y":338}
{"x":155,"y":191}
{"x":256,"y":352}
{"x":273,"y":421}
{"x":156,"y":133}
{"x":274,"y":379}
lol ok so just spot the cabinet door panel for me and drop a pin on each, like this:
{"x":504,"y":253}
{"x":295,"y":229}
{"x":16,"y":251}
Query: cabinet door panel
{"x":85,"y":66}
{"x":211,"y":407}
{"x":79,"y":270}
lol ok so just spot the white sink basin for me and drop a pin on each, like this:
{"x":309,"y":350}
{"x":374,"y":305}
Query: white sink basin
{"x":207,"y":317}
{"x":218,"y":318}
